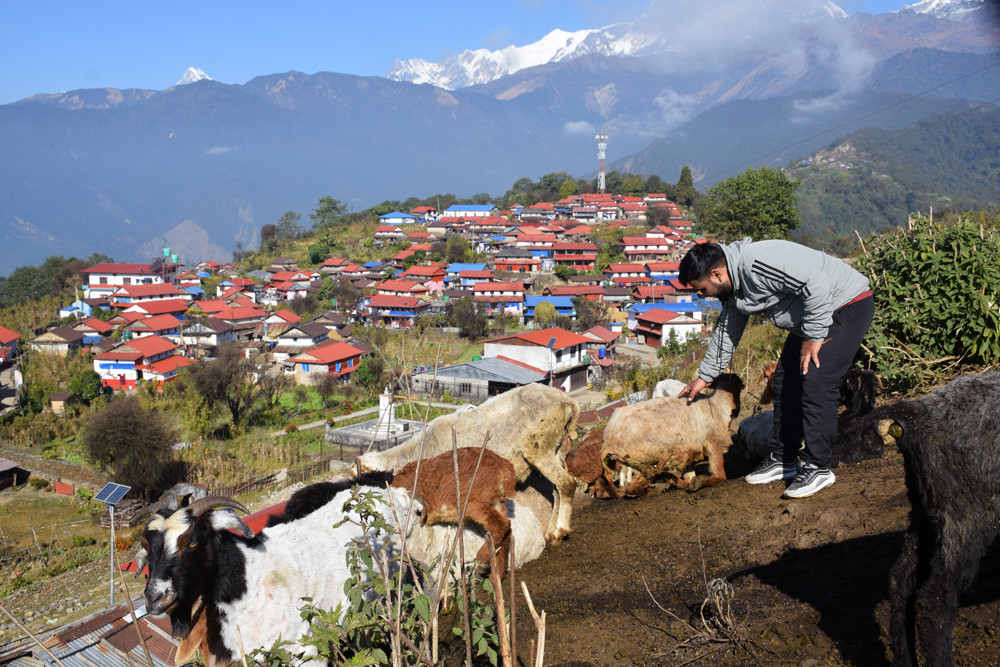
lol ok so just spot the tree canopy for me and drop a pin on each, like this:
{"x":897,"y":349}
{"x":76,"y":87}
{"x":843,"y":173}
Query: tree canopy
{"x":759,"y":203}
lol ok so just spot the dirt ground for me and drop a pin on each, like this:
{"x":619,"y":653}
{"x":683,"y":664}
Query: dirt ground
{"x":809,"y":577}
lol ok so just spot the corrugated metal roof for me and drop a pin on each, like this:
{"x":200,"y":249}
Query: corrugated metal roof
{"x":106,"y":638}
{"x":489,"y":369}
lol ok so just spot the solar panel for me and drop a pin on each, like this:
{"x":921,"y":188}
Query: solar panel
{"x":112,"y":493}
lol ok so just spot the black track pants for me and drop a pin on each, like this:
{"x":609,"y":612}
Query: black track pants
{"x":805,"y":406}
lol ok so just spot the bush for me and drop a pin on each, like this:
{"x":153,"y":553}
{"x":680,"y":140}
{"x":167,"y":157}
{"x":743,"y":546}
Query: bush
{"x":937,"y":290}
{"x":38,"y":482}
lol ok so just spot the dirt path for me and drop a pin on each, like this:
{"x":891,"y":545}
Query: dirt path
{"x":809,"y":577}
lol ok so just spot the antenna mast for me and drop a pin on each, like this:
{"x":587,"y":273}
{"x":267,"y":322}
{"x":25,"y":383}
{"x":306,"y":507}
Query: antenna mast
{"x":602,"y":148}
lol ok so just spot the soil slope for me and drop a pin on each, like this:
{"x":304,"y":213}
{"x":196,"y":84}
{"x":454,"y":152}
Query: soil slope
{"x":809,"y":577}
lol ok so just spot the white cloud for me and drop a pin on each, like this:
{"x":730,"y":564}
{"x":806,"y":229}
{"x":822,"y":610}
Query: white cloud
{"x":221,"y":150}
{"x":579,"y":127}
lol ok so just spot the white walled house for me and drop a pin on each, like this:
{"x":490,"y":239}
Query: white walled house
{"x":554,"y":351}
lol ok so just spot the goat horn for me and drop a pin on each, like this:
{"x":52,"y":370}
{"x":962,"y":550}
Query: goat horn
{"x":202,"y":505}
{"x":151,"y":508}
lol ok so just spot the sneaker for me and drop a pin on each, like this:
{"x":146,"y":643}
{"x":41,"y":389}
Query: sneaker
{"x":772,"y":469}
{"x":811,"y":478}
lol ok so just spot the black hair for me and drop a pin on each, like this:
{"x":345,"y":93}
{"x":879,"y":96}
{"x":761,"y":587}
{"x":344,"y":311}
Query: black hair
{"x":699,"y":260}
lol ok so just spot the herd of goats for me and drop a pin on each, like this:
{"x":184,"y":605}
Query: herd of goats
{"x":227,"y":590}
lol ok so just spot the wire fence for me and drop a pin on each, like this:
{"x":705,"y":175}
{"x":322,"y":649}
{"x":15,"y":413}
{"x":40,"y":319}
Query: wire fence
{"x":55,"y":547}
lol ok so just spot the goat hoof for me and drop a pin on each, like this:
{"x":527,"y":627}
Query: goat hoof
{"x":556,"y":535}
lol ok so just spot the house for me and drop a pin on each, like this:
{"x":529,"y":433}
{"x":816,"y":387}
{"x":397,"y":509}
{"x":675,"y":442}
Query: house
{"x":516,"y":260}
{"x":123,"y":365}
{"x":298,"y":338}
{"x":471,"y":211}
{"x":279,"y":264}
{"x":165,"y":370}
{"x":424,"y":213}
{"x":474,"y":381}
{"x":652,"y":293}
{"x":333,"y":266}
{"x":402,"y":288}
{"x":93,"y":330}
{"x":657,"y":326}
{"x":127,"y":295}
{"x":244,"y":319}
{"x":389,"y":233}
{"x":452,"y":270}
{"x":105,"y":278}
{"x":164,"y":326}
{"x":396,"y":218}
{"x":563,"y":305}
{"x":556,"y":352}
{"x":626,"y":274}
{"x":468,"y":279}
{"x":60,"y":341}
{"x":395,"y":312}
{"x":592,"y":292}
{"x":60,"y":399}
{"x":275,"y":324}
{"x":497,"y":296}
{"x":644,"y":248}
{"x":579,"y":255}
{"x":176,"y":307}
{"x":8,"y":344}
{"x":338,"y":359}
{"x":602,"y":343}
{"x":206,"y":334}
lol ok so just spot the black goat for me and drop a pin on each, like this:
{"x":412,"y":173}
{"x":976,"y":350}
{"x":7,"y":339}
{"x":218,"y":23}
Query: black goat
{"x":950,"y":440}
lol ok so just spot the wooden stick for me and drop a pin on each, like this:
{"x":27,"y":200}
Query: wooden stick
{"x":128,"y":599}
{"x":502,"y":630}
{"x":239,"y":641}
{"x":31,"y":636}
{"x":539,"y":624}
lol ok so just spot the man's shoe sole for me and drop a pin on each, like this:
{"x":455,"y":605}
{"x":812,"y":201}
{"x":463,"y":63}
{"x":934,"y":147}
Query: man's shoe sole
{"x":821,"y":483}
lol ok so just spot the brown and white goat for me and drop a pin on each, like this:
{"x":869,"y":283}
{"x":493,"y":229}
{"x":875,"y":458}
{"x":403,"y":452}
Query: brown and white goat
{"x":494,"y":482}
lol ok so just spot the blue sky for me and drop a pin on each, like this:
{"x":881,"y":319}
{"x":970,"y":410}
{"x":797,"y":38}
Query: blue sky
{"x":49,"y":47}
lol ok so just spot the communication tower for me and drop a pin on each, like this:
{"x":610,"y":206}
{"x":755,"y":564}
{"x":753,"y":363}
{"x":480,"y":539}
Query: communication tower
{"x":602,"y":149}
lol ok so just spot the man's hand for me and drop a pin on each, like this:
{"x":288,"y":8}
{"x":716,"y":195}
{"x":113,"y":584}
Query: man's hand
{"x":692,"y":389}
{"x":809,"y":352}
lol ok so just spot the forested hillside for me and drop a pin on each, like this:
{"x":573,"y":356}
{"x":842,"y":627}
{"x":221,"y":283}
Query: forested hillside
{"x":874,"y":178}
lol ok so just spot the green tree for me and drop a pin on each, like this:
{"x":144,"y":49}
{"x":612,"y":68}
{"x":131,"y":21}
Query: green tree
{"x":229,"y":380}
{"x":545,"y":314}
{"x":759,"y":203}
{"x":468,"y":317}
{"x":288,"y":227}
{"x":133,"y":443}
{"x":589,"y":312}
{"x":86,"y":384}
{"x":563,"y":272}
{"x":684,"y":193}
{"x":327,"y":213}
{"x":369,"y":373}
{"x":457,"y":248}
{"x":569,"y":188}
{"x":634,"y":185}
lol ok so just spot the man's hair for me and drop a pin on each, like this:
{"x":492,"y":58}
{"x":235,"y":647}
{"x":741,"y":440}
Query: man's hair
{"x":699,"y":260}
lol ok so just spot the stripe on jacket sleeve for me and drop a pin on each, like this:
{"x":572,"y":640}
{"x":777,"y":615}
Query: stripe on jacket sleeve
{"x":773,"y":273}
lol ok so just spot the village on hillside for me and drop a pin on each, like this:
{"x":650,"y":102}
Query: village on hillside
{"x":146,"y":322}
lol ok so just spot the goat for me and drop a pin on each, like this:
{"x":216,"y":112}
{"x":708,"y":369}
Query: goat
{"x":435,"y":489}
{"x":214,"y":583}
{"x":663,"y":437}
{"x":531,"y":426}
{"x":950,"y":441}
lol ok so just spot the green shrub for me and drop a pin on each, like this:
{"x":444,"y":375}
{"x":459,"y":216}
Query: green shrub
{"x":937,"y":301}
{"x":38,"y":482}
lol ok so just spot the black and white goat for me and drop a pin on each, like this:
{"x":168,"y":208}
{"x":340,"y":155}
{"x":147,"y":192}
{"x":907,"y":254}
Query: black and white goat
{"x":243,"y":591}
{"x":950,"y":441}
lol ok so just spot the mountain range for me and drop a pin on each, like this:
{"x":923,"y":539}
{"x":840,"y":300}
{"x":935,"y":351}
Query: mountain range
{"x":203,"y":165}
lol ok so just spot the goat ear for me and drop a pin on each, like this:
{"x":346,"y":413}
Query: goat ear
{"x":227,"y":519}
{"x":141,"y":558}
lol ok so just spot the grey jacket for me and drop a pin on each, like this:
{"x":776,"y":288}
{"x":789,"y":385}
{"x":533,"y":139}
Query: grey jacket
{"x":796,"y":288}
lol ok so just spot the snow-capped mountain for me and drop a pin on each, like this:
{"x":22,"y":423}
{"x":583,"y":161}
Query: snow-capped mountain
{"x":953,"y":10}
{"x":482,"y":66}
{"x":649,"y":35}
{"x":193,"y":74}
